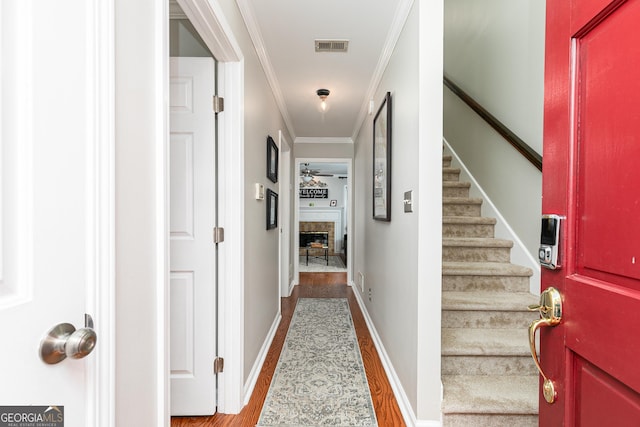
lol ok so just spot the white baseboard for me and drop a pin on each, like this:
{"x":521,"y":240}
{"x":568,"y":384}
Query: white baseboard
{"x":257,"y":366}
{"x":519,"y":253}
{"x":291,"y":286}
{"x":403,"y":401}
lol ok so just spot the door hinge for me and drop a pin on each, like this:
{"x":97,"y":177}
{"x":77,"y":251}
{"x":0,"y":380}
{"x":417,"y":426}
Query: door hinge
{"x":218,"y":365}
{"x":218,"y":104}
{"x":218,"y":235}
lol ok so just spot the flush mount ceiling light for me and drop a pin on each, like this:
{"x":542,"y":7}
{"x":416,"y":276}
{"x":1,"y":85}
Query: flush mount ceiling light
{"x":323,"y":94}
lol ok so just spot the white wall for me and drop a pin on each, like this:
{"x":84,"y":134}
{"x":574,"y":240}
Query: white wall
{"x":401,"y":259}
{"x":261,"y":118}
{"x":335,"y":187}
{"x":494,"y":50}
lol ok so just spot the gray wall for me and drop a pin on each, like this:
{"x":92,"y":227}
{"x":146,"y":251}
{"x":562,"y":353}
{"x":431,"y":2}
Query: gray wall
{"x":401,"y":259}
{"x":185,"y":41}
{"x":261,"y":118}
{"x":494,"y":50}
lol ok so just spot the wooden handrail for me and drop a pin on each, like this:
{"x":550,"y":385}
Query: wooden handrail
{"x":513,"y":139}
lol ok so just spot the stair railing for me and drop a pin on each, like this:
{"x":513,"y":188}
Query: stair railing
{"x":513,"y":139}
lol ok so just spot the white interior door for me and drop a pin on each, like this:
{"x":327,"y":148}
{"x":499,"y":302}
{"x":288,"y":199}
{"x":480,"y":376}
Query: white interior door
{"x":193,"y":252}
{"x":54,"y":201}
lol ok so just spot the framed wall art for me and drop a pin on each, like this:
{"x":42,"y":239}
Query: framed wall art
{"x":382,"y":161}
{"x":272,"y":209}
{"x":272,"y":160}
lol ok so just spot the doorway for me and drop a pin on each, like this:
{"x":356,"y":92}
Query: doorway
{"x":193,"y":215}
{"x":323,"y":215}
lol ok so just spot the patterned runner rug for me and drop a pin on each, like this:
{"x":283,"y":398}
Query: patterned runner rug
{"x":319,"y":379}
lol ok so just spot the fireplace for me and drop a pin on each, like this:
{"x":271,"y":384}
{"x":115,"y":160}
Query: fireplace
{"x":312,"y":230}
{"x":308,"y":237}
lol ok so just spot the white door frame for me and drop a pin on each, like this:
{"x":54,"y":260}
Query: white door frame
{"x":208,"y":19}
{"x":285,"y":215}
{"x":296,"y":219}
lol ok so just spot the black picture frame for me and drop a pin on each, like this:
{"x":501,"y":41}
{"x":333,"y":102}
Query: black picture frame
{"x":272,"y":160}
{"x":382,"y":161}
{"x":272,"y":209}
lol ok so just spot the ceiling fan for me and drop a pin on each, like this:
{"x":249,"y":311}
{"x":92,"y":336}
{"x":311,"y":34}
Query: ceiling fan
{"x":309,"y":174}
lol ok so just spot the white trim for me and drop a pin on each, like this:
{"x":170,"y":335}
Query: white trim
{"x":231,"y":252}
{"x":101,"y":207}
{"x":296,"y":213}
{"x":262,"y":355}
{"x":284,"y":212}
{"x":322,"y":140}
{"x":249,"y":17}
{"x":396,"y":385}
{"x":519,"y":253}
{"x":399,"y":19}
{"x":162,"y":209}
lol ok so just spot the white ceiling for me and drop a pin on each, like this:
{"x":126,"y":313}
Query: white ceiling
{"x":284,"y":32}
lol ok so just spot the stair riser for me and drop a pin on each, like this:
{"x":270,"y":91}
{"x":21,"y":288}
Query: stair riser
{"x":450,"y":176}
{"x":473,"y":254}
{"x":481,"y":420}
{"x":488,"y":365}
{"x":446,"y":163}
{"x":467,"y":230}
{"x":455,"y":192}
{"x":493,"y":319}
{"x":458,"y":209}
{"x":485,"y":283}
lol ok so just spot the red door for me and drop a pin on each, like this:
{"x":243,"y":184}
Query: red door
{"x":591,"y":175}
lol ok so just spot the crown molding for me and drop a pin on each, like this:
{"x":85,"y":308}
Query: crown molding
{"x":322,"y":140}
{"x":399,"y":19}
{"x":249,"y":17}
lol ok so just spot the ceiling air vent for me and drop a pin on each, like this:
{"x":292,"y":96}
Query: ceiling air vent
{"x":332,"y":45}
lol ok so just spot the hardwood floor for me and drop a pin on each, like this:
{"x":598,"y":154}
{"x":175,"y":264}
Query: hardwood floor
{"x":313,"y":285}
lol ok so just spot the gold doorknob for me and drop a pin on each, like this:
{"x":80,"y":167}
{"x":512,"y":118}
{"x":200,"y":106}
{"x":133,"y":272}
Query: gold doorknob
{"x":550,"y":309}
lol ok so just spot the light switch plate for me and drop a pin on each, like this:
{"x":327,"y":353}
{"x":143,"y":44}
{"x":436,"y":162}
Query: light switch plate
{"x":259,"y":191}
{"x":408,"y":202}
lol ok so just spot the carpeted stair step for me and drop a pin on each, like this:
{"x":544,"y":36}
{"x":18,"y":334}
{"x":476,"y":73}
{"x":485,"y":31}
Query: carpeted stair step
{"x":485,"y":342}
{"x":476,"y":250}
{"x":486,"y":352}
{"x":480,"y":309}
{"x":470,"y":276}
{"x":446,"y":161}
{"x":461,"y":206}
{"x":450,"y":174}
{"x":488,"y":365}
{"x":479,"y":400}
{"x":455,"y":189}
{"x":468,"y":226}
{"x":492,"y":420}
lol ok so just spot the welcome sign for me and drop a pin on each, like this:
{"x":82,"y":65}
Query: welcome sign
{"x":314,"y":193}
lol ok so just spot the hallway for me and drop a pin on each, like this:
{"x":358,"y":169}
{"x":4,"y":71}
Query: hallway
{"x":313,"y":285}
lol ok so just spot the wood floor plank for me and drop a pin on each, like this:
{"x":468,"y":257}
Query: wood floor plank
{"x":324,"y":285}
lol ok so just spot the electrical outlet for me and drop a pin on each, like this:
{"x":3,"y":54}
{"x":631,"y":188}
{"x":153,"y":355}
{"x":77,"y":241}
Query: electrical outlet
{"x":369,"y":294}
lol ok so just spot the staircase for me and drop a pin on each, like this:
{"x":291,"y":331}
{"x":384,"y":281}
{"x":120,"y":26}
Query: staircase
{"x":489,"y":377}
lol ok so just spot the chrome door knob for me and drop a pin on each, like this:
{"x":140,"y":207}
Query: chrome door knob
{"x":80,"y":343}
{"x":63,"y":340}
